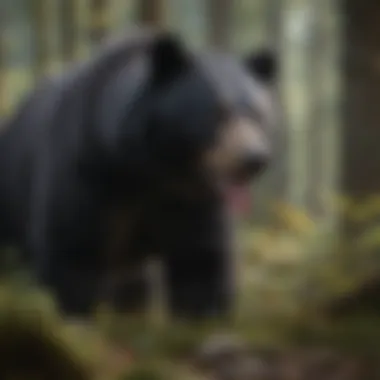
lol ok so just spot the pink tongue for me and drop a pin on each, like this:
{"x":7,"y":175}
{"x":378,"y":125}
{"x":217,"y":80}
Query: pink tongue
{"x":239,"y":199}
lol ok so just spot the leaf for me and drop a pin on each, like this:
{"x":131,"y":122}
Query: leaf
{"x":294,"y":219}
{"x":369,"y":239}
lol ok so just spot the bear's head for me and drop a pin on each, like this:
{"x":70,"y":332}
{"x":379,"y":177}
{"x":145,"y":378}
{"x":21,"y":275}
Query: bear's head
{"x":199,"y":116}
{"x":212,"y":114}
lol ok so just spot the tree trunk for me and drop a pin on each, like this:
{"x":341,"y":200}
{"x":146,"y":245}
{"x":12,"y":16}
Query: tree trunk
{"x":360,"y":162}
{"x":39,"y":16}
{"x":151,"y":12}
{"x":2,"y":65}
{"x":220,"y":15}
{"x":361,"y":112}
{"x":274,"y":183}
{"x":68,"y":27}
{"x":315,"y":86}
{"x":99,"y":21}
{"x":360,"y":137}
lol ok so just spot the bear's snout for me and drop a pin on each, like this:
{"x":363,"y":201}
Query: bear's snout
{"x":252,"y":164}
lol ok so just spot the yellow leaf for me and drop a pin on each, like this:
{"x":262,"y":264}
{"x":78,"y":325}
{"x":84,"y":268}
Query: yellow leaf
{"x":294,"y":218}
{"x":369,"y":239}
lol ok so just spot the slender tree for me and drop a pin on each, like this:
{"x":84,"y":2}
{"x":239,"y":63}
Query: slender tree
{"x":361,"y":89}
{"x":151,"y":12}
{"x":275,"y":181}
{"x":68,"y":27}
{"x":220,"y":13}
{"x":40,"y":22}
{"x":2,"y":64}
{"x":316,"y":55}
{"x":360,"y":135}
{"x":99,"y":20}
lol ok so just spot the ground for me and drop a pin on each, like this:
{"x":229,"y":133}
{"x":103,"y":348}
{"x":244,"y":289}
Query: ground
{"x":284,"y":341}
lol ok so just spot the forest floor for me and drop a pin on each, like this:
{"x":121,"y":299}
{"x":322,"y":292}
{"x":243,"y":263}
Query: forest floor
{"x":279,"y":332}
{"x":35,"y":343}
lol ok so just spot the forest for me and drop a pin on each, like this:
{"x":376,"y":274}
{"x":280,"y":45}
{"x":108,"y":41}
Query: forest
{"x":309,"y":269}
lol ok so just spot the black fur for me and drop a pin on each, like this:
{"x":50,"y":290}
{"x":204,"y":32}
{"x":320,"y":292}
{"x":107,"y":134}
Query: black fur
{"x":124,"y":131}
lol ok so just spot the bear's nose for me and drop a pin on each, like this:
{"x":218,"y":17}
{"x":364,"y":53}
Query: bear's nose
{"x":254,"y":163}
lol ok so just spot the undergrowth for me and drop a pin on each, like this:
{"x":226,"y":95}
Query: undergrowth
{"x":287,"y":274}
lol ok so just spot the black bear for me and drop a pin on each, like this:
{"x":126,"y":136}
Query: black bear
{"x":136,"y":152}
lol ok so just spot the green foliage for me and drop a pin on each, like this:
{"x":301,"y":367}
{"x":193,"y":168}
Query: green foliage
{"x":298,"y":262}
{"x":288,"y":273}
{"x":32,"y":339}
{"x":144,"y":372}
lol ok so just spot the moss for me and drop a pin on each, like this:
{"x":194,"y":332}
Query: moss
{"x":29,"y":348}
{"x":144,"y":371}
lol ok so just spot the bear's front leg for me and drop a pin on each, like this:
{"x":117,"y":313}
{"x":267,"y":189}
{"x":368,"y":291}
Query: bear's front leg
{"x":64,"y":240}
{"x":199,"y":263}
{"x":128,"y":290}
{"x":75,"y":289}
{"x":199,"y":286}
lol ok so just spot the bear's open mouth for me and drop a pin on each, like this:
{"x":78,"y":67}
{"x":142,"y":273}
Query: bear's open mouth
{"x":238,"y":195}
{"x":239,"y":198}
{"x":236,"y":186}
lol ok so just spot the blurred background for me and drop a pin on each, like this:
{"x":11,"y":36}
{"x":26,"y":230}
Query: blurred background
{"x":309,"y":268}
{"x":40,"y":36}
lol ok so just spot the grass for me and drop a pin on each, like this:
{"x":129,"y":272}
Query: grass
{"x":33,"y":337}
{"x":285,"y":281}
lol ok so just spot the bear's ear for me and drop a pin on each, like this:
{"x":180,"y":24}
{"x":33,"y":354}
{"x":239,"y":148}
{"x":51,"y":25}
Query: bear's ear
{"x":263,"y":65}
{"x":168,"y":57}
